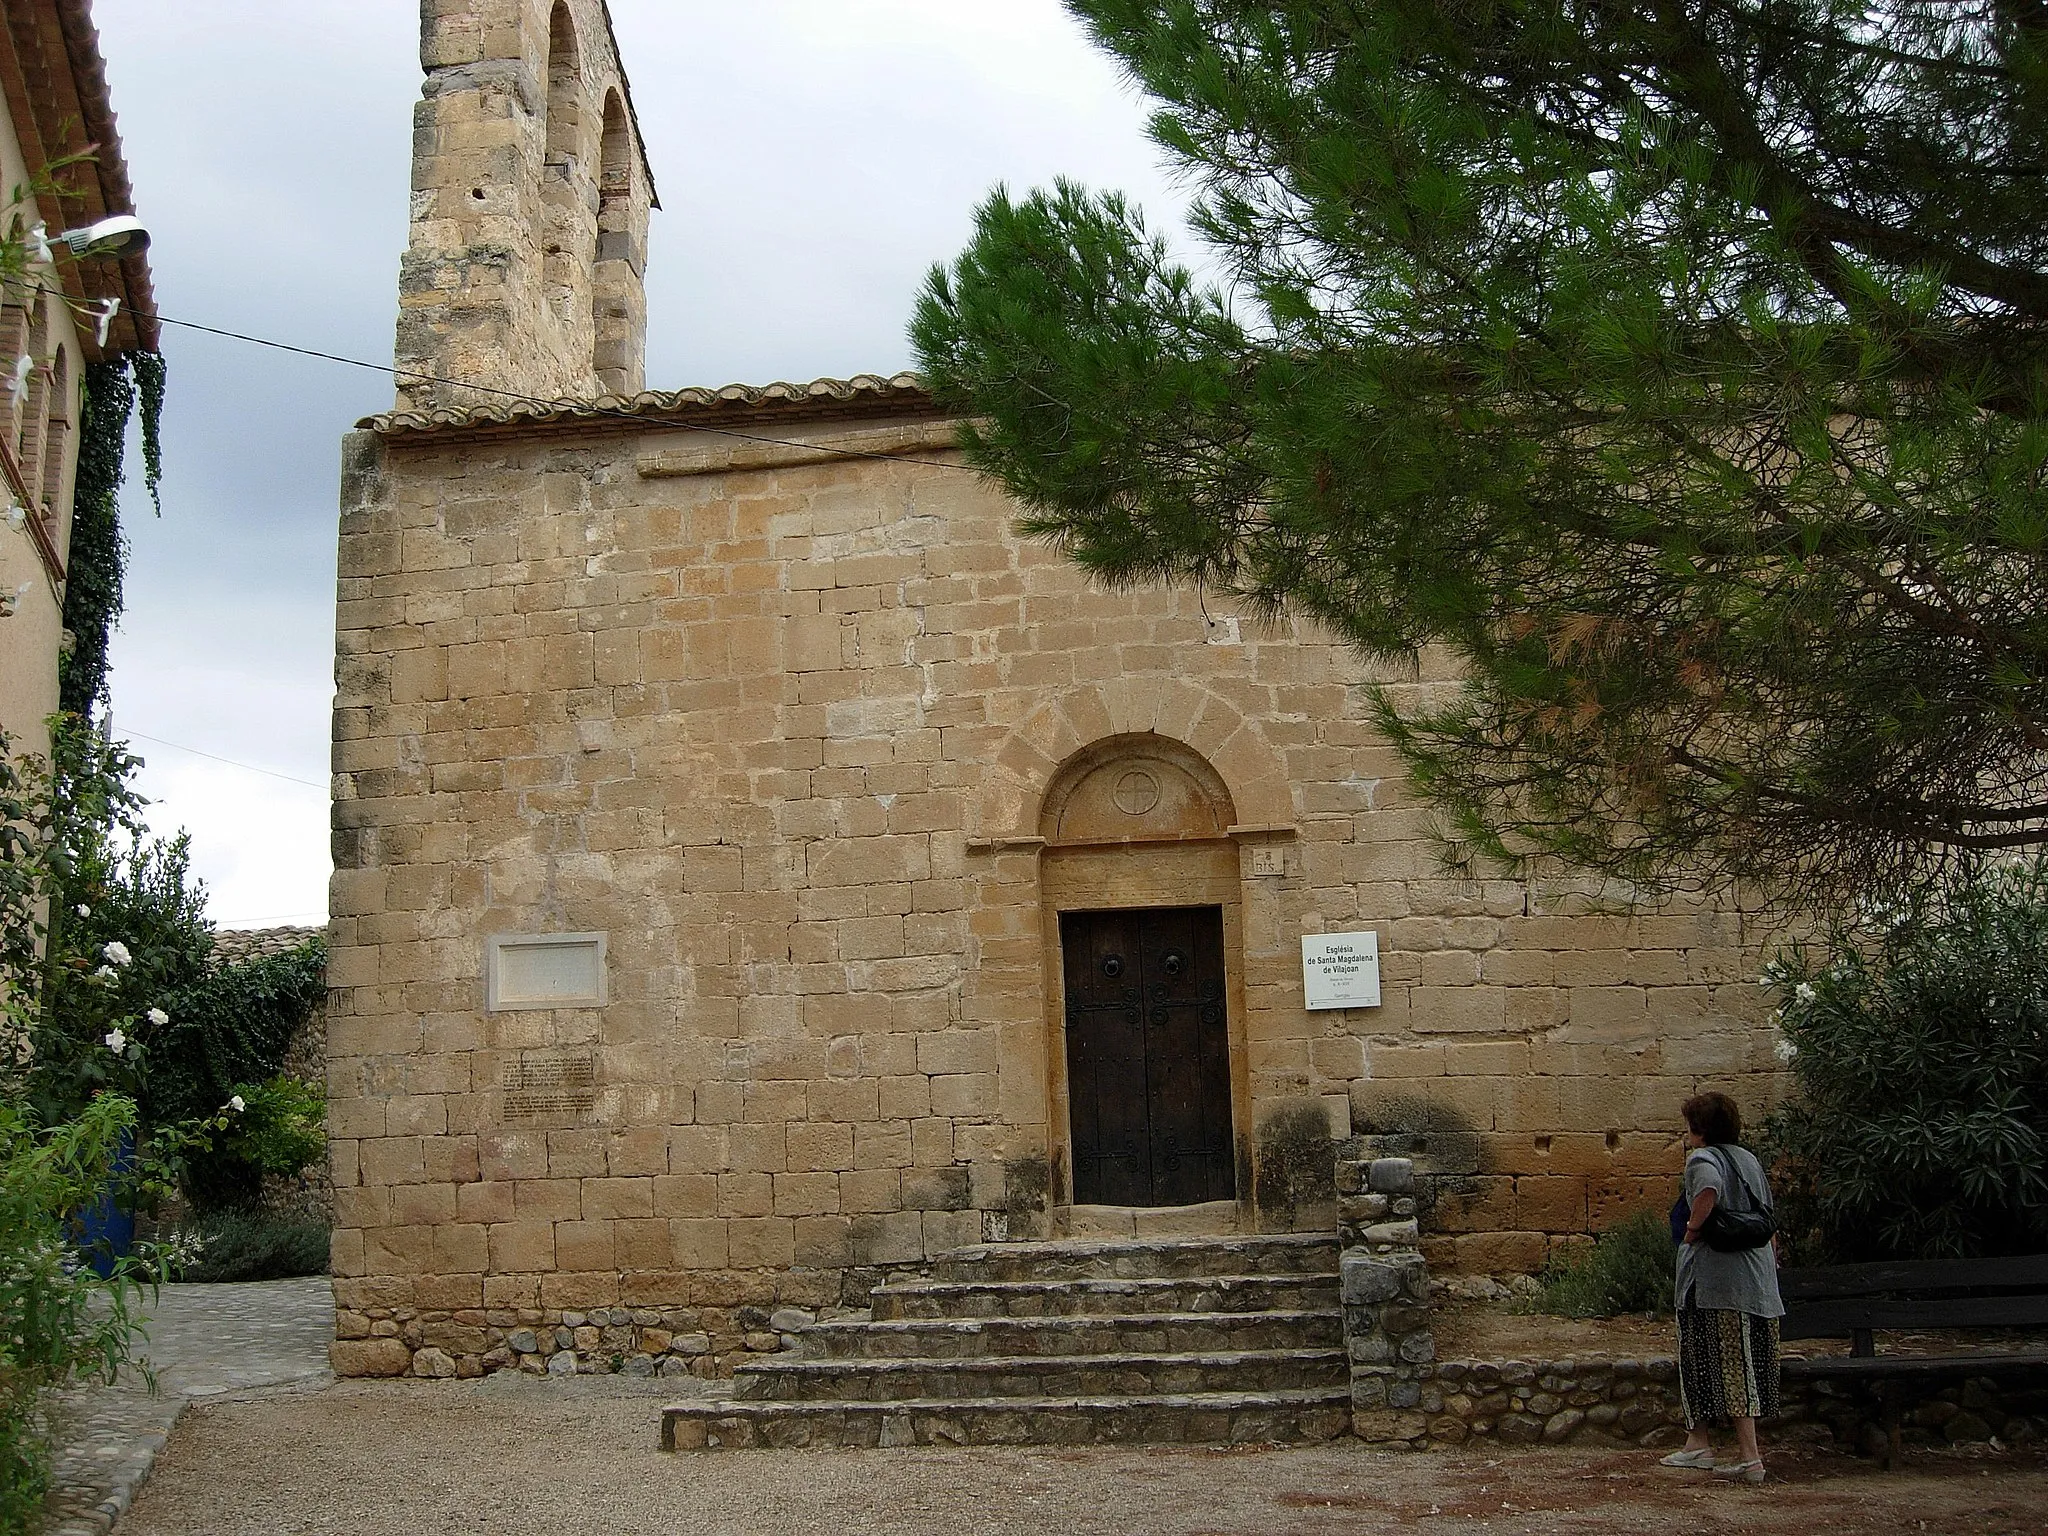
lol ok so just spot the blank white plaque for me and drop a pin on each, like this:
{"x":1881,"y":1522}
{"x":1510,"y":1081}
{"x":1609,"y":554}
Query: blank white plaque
{"x":544,"y":970}
{"x":1341,"y":970}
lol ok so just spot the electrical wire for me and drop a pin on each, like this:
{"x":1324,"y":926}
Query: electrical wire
{"x":580,"y":407}
{"x":179,"y":746}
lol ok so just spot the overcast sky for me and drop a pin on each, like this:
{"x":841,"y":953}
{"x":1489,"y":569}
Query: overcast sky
{"x":814,"y":157}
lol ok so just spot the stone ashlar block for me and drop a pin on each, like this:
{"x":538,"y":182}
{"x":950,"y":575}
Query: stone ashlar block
{"x":1403,"y":1234}
{"x":369,"y":1357}
{"x":1362,"y":1210}
{"x":1367,"y":1281}
{"x":1391,"y":1176}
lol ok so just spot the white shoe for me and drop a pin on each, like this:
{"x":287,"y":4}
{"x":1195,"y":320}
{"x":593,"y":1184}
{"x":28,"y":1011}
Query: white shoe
{"x":1742,"y":1471}
{"x":1703,"y":1459}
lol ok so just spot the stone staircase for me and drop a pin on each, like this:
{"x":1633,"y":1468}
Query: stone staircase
{"x":1216,"y":1340}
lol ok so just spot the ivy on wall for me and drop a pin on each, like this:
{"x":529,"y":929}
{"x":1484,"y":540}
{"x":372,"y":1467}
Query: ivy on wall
{"x":99,"y":552}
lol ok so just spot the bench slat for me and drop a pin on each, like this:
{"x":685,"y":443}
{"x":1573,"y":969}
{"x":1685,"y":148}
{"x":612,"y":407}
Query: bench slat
{"x":1881,"y":1367}
{"x":1841,"y":1280}
{"x":1837,"y":1319}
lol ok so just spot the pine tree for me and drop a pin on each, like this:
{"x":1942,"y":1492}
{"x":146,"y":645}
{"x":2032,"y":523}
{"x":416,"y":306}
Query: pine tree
{"x":1679,"y":366}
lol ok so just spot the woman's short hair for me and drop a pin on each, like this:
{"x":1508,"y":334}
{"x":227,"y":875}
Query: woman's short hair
{"x":1713,"y":1118}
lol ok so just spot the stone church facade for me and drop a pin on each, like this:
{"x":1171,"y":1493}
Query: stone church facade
{"x":759,"y":868}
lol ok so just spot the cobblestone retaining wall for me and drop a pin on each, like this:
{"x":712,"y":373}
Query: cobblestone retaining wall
{"x":1635,"y":1402}
{"x":706,"y":1342}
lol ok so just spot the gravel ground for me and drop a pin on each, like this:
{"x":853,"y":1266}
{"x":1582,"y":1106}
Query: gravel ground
{"x":516,"y":1456}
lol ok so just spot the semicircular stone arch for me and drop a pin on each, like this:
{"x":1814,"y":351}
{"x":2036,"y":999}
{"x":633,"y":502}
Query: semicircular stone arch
{"x":1143,"y":788}
{"x":1028,"y":763}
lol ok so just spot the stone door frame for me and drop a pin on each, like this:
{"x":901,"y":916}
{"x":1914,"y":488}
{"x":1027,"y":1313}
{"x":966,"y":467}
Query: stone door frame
{"x":1114,"y":877}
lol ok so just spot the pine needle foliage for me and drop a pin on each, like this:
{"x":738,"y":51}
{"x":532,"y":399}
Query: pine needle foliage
{"x":1678,"y":367}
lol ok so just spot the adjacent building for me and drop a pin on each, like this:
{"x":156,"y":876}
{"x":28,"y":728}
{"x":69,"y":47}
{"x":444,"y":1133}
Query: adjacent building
{"x":61,"y":167}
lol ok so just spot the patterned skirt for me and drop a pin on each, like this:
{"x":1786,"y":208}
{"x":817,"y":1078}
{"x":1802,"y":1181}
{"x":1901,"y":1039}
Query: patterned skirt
{"x":1727,"y":1365}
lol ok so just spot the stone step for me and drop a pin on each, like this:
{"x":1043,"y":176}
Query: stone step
{"x":1203,"y":1418}
{"x":974,"y":1378}
{"x":1155,"y":1333}
{"x":1142,"y":1258}
{"x":1097,"y":1222}
{"x":905,"y":1299}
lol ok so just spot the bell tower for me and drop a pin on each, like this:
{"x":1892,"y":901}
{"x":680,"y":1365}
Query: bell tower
{"x":525,"y":263}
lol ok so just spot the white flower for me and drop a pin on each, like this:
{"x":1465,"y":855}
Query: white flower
{"x":38,"y":241}
{"x":82,"y":910}
{"x":237,"y":1104}
{"x":1804,"y":992}
{"x":1786,"y":1050}
{"x":105,"y":317}
{"x":105,"y":973}
{"x":118,"y":953}
{"x":158,"y":1017}
{"x":116,"y":1041}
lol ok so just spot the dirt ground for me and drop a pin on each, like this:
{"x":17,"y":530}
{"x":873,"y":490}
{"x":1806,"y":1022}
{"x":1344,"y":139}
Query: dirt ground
{"x":516,"y":1456}
{"x":1480,"y":1330}
{"x":1491,"y":1330}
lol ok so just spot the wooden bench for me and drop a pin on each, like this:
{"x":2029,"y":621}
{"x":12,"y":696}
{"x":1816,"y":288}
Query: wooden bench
{"x":1853,"y":1301}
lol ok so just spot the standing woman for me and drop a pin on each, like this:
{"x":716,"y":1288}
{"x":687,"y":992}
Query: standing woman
{"x":1728,"y":1306}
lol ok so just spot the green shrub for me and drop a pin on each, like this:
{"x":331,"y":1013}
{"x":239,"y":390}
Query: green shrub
{"x":1627,"y":1268}
{"x":230,"y":1029}
{"x":63,"y":1323}
{"x":254,"y":1245}
{"x":279,"y":1129}
{"x":1920,"y":1053}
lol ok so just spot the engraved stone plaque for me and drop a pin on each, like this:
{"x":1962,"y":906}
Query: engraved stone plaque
{"x":1341,"y":970}
{"x":547,"y":1086}
{"x":544,"y":970}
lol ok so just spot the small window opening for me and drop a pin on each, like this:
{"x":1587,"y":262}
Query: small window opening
{"x":565,"y":127}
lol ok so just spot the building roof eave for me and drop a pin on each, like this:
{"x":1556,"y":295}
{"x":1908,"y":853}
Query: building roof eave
{"x":55,"y":81}
{"x":864,"y":395}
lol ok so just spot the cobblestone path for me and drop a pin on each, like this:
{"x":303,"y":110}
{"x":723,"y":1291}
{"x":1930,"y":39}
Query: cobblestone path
{"x":205,"y":1342}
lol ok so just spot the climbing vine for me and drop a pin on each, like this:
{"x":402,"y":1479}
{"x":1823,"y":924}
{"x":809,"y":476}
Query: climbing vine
{"x":99,"y":551}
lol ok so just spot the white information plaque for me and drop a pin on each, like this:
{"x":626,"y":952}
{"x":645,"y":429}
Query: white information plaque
{"x":544,"y":970}
{"x":1341,"y":970}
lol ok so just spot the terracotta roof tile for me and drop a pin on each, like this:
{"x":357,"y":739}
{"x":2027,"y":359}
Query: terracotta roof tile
{"x":239,"y":946}
{"x":863,"y":394}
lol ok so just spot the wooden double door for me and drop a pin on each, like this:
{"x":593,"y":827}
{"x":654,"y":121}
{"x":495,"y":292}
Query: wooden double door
{"x":1148,"y":1056}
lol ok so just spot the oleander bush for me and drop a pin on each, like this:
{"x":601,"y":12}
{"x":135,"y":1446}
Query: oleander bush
{"x":1918,"y":1044}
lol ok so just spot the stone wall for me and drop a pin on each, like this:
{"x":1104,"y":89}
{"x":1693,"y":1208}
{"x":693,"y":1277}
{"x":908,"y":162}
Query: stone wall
{"x":782,"y":724}
{"x":1634,"y":1402}
{"x":705,"y":1341}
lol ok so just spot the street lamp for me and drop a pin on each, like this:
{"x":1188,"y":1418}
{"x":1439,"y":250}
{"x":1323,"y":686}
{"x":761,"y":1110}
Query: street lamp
{"x":108,"y":240}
